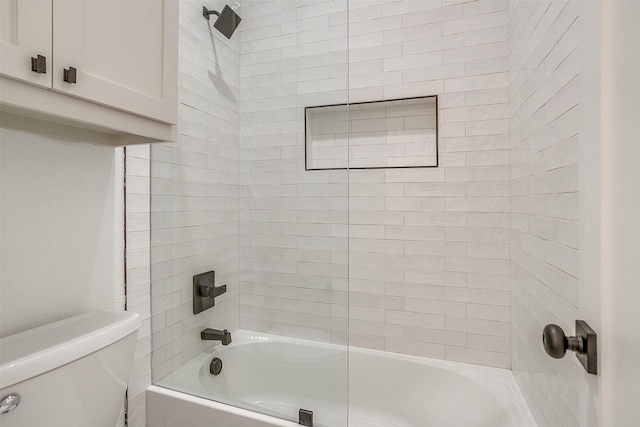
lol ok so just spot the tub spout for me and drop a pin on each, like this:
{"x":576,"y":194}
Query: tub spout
{"x":216,"y":335}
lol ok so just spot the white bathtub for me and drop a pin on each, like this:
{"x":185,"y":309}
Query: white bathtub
{"x":266,"y":379}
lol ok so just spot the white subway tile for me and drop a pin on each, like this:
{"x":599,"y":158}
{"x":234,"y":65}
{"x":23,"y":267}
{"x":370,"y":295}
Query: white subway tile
{"x":320,"y":9}
{"x":407,"y":7}
{"x":375,"y":301}
{"x":474,"y":53}
{"x":366,"y":341}
{"x":415,"y":348}
{"x":375,"y":328}
{"x":413,"y":61}
{"x":435,"y":336}
{"x":478,"y":357}
{"x":481,"y":327}
{"x":477,"y":265}
{"x":476,"y":22}
{"x":413,"y":233}
{"x":414,"y":290}
{"x":366,"y":313}
{"x":447,"y":308}
{"x":418,"y":32}
{"x":432,"y":15}
{"x":407,"y":90}
{"x":435,"y":44}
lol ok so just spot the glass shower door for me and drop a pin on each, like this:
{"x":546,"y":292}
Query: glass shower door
{"x":250,"y":192}
{"x":294,"y":205}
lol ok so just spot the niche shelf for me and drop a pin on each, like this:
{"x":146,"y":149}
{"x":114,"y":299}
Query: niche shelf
{"x":396,"y":133}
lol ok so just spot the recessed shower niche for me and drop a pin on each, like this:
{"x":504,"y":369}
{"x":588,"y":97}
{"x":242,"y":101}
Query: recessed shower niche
{"x":398,"y":133}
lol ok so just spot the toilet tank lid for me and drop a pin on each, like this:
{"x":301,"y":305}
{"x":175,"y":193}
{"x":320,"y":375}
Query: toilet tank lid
{"x":36,"y":351}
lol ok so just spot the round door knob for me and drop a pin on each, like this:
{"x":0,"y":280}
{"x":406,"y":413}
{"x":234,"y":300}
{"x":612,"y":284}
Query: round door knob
{"x":556,"y":343}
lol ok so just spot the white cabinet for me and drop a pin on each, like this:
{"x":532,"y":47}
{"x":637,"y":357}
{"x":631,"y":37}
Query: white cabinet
{"x":118,"y":49}
{"x":25,"y":32}
{"x":124,"y":55}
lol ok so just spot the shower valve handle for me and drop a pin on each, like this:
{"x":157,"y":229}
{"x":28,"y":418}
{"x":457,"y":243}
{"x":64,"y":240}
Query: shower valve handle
{"x":205,"y":291}
{"x":209,"y":291}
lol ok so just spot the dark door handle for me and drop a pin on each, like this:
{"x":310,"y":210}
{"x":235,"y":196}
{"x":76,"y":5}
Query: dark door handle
{"x":39,"y":64}
{"x":70,"y":75}
{"x":584,"y":344}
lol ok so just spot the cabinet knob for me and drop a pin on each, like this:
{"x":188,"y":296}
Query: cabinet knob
{"x":70,"y":75}
{"x":39,"y":64}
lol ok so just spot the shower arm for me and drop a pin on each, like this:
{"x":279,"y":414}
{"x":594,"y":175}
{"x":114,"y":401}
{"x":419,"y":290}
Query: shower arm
{"x":206,"y":12}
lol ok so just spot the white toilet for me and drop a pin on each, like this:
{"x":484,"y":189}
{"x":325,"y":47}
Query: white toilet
{"x":71,"y":373}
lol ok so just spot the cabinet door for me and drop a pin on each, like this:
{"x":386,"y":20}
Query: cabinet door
{"x":125,"y":53}
{"x":25,"y":32}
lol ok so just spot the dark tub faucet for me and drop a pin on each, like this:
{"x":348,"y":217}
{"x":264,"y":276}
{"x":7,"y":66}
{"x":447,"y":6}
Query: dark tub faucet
{"x":216,"y":335}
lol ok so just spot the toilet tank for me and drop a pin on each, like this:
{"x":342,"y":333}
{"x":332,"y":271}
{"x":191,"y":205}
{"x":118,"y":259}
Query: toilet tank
{"x":71,"y":373}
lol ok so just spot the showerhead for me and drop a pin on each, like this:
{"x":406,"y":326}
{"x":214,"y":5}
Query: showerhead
{"x":227,"y":21}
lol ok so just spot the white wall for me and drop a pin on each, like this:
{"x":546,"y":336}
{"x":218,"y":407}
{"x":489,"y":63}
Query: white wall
{"x":62,"y":229}
{"x":545,"y":65}
{"x":618,"y":151}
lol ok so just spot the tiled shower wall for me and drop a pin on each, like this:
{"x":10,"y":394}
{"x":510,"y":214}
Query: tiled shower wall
{"x":428,"y":252}
{"x":293,"y":223}
{"x":192,"y":188}
{"x":429,"y":269}
{"x":544,"y":97}
{"x":194,"y":196}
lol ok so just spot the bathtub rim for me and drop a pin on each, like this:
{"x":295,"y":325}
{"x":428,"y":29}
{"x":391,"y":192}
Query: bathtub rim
{"x":230,"y":409}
